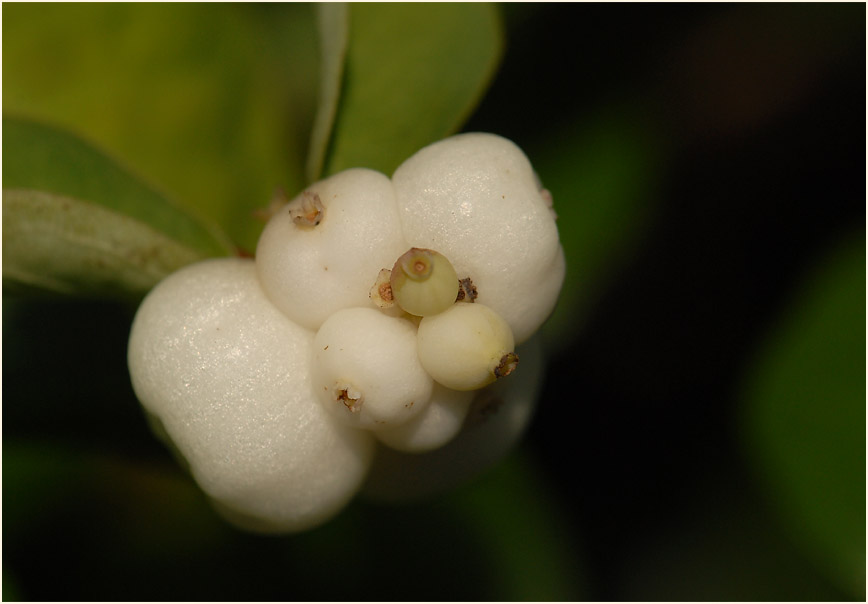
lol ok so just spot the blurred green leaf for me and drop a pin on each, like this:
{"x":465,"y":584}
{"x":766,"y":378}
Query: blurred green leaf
{"x":515,"y":514}
{"x":805,"y":417}
{"x":119,"y":514}
{"x":503,"y":537}
{"x":718,"y":542}
{"x":75,"y":222}
{"x":10,"y":591}
{"x":414,"y":72}
{"x":333,"y":27}
{"x":212,"y":103}
{"x":601,"y":171}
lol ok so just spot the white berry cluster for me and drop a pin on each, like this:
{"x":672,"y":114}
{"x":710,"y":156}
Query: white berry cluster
{"x":367,"y":347}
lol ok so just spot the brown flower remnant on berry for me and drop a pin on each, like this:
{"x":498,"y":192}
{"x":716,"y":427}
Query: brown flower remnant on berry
{"x":466,"y":290}
{"x":507,"y":365}
{"x":311,"y":212}
{"x":351,"y":400}
{"x":381,"y":292}
{"x":386,"y":291}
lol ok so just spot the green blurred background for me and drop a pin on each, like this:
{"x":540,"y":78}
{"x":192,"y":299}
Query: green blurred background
{"x":701,"y":434}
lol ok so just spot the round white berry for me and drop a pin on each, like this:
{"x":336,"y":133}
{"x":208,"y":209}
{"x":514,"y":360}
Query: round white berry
{"x":228,"y":376}
{"x":466,"y":347}
{"x":497,"y":419}
{"x":436,"y":425}
{"x":366,"y":371}
{"x":323,"y":251}
{"x":475,"y":199}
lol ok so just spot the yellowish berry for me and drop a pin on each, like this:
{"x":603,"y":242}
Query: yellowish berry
{"x":466,"y":347}
{"x":424,"y":282}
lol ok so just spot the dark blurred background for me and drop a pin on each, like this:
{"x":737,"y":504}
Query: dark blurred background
{"x":758,"y":122}
{"x":707,"y":164}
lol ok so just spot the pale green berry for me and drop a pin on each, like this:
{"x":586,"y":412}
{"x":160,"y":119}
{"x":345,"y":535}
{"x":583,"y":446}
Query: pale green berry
{"x":424,"y":282}
{"x":466,"y":347}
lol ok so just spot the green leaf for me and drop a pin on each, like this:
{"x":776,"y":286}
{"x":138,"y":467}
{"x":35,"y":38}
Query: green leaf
{"x":719,"y":543}
{"x":78,"y":493}
{"x":527,"y":534}
{"x":333,"y":27}
{"x":503,"y":537}
{"x":212,"y":103}
{"x":805,"y":417}
{"x":601,"y":171}
{"x":76,"y":222}
{"x":414,"y":73}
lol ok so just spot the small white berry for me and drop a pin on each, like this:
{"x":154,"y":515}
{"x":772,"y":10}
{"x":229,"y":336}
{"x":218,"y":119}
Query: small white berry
{"x":436,"y":425}
{"x":475,"y":199}
{"x":366,"y":371}
{"x":497,"y":419}
{"x":324,"y":251}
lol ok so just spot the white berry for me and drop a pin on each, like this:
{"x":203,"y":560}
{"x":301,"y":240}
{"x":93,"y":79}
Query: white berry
{"x":366,"y":371}
{"x":229,"y":378}
{"x":475,"y":199}
{"x":436,"y":425}
{"x":314,"y":262}
{"x":497,"y":419}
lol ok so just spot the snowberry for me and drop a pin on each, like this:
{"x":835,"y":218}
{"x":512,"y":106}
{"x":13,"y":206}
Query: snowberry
{"x":466,"y":347}
{"x":366,"y":371}
{"x":323,"y":253}
{"x":436,"y":425}
{"x":275,"y":380}
{"x":496,"y":421}
{"x":228,"y":376}
{"x":475,"y":199}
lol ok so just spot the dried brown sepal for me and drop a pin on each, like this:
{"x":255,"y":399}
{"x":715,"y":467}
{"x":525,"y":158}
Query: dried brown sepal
{"x":385,"y":291}
{"x":466,"y":291}
{"x":381,"y":291}
{"x":350,"y":398}
{"x":507,"y":365}
{"x":311,"y":212}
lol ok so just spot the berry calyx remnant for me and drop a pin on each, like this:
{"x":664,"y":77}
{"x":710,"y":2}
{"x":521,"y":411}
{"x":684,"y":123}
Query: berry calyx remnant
{"x":311,"y":211}
{"x":467,"y":292}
